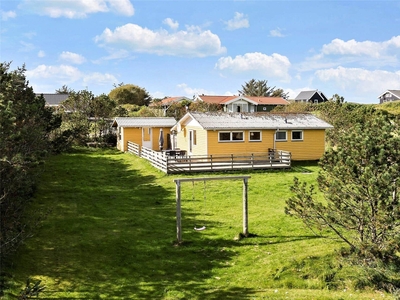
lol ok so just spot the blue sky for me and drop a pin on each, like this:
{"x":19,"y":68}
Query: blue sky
{"x":182,"y":48}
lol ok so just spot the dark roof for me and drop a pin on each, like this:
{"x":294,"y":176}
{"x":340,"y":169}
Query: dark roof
{"x":395,"y":93}
{"x":307,"y":95}
{"x":54,"y":99}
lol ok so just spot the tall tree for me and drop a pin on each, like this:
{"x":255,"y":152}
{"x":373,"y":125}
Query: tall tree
{"x":77,"y":110}
{"x":359,"y":179}
{"x":130,"y":94}
{"x":102,"y":109}
{"x":25,"y":125}
{"x":260,"y":88}
{"x":64,"y":90}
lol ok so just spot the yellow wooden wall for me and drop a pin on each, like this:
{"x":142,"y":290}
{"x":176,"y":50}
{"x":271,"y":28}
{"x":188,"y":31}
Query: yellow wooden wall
{"x":245,"y":147}
{"x":200,"y":147}
{"x":312,"y":146}
{"x":135,"y":135}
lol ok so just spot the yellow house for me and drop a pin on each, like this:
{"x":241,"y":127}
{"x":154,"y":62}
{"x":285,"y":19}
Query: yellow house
{"x":145,"y":132}
{"x":237,"y":133}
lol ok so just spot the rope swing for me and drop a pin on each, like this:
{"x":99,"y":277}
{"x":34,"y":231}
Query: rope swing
{"x":204,"y":196}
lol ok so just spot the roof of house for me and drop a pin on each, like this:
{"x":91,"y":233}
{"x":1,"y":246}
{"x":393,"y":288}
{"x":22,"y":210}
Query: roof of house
{"x":54,"y":99}
{"x":251,"y":99}
{"x":144,"y":122}
{"x":225,"y":121}
{"x":307,"y":95}
{"x":395,"y":93}
{"x":170,"y":100}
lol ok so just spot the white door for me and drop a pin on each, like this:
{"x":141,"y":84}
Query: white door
{"x":147,"y":137}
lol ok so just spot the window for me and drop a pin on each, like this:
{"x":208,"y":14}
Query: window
{"x":237,"y":136}
{"x":280,"y":136}
{"x":231,"y":136}
{"x":255,"y":136}
{"x":297,"y":135}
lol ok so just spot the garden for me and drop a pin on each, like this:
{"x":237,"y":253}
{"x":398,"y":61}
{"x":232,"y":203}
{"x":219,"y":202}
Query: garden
{"x":109,"y":232}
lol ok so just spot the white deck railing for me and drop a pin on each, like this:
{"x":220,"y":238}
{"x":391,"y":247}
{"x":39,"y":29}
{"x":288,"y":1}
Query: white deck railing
{"x":174,"y":162}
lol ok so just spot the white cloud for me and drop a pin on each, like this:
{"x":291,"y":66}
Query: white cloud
{"x":26,"y":47}
{"x":359,"y":80}
{"x":275,"y":66}
{"x":276,"y":32}
{"x":52,"y":77}
{"x":352,"y":53}
{"x":5,"y":15}
{"x":99,"y":79}
{"x":192,"y":42}
{"x":171,"y":23}
{"x":41,"y":53}
{"x":238,"y":21}
{"x":72,"y":58}
{"x":352,"y":47}
{"x":190,"y":92}
{"x":365,"y":48}
{"x":77,"y":8}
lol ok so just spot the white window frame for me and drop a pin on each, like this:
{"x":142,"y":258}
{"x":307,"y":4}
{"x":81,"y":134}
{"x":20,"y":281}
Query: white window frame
{"x":281,"y":140}
{"x":251,"y":140}
{"x":231,"y":140}
{"x":302,"y":135}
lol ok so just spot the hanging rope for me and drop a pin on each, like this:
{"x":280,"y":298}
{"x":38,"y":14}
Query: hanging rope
{"x":204,"y":196}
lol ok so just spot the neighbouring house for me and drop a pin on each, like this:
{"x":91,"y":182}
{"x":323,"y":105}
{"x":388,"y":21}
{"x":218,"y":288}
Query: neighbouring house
{"x":389,"y":96}
{"x":166,"y":103}
{"x":145,"y":132}
{"x":314,"y":96}
{"x":53,"y":100}
{"x":244,"y":104}
{"x":237,"y":133}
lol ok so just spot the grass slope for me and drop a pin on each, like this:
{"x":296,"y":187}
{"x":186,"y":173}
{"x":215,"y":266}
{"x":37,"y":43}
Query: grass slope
{"x":111,"y":229}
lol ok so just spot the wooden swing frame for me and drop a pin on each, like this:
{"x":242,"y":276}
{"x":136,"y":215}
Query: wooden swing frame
{"x":178,"y":201}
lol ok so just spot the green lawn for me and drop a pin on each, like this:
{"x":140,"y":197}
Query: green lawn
{"x":111,"y":230}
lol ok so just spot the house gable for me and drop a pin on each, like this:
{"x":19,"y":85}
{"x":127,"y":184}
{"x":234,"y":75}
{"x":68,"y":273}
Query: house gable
{"x":314,"y":96}
{"x":243,"y":104}
{"x":389,"y":96}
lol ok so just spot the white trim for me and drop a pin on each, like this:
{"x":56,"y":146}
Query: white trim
{"x":281,"y":140}
{"x":260,"y":132}
{"x":297,"y":140}
{"x":231,"y":140}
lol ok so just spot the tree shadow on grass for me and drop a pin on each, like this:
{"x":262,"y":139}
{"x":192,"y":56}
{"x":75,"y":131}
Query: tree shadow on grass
{"x":110,"y":235}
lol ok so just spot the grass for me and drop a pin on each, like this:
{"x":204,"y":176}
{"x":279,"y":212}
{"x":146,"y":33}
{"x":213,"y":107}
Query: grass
{"x":110,"y":234}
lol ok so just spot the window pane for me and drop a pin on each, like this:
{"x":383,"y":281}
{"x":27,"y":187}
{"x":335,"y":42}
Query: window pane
{"x":224,"y":136}
{"x":297,"y":135}
{"x":281,"y":135}
{"x":255,"y":136}
{"x":237,"y":136}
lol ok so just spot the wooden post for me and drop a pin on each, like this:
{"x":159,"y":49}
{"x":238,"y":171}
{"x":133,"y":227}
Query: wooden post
{"x":178,"y":212}
{"x":245,"y":208}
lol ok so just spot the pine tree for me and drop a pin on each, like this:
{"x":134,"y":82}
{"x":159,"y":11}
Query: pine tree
{"x":359,"y":179}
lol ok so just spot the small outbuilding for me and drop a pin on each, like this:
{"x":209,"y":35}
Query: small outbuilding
{"x":152,"y":133}
{"x":216,"y":133}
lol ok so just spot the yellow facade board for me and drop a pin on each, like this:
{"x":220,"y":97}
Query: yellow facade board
{"x":311,"y":146}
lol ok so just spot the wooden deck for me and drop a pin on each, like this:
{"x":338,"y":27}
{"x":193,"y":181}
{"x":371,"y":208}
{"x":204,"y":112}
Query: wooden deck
{"x":189,"y":164}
